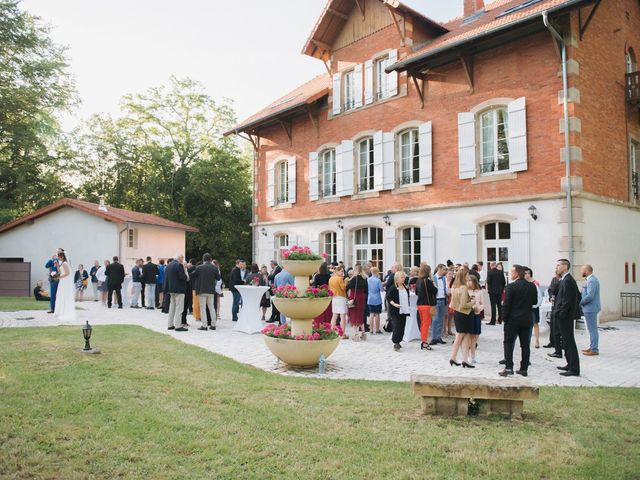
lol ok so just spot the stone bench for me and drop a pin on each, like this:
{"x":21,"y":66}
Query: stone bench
{"x":451,"y":395}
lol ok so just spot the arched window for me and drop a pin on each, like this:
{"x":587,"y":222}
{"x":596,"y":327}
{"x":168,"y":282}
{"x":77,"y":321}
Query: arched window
{"x":409,"y":166}
{"x":327,"y":173}
{"x":410,"y":248}
{"x":329,"y":245}
{"x":497,"y":243}
{"x":494,"y":145}
{"x":281,"y":182}
{"x":281,"y":243}
{"x":365,"y":164}
{"x":632,"y":63}
{"x":368,"y":246}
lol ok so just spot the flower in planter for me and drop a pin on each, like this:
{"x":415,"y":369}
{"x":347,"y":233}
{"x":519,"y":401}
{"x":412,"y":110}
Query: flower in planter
{"x":322,"y":332}
{"x":286,"y":291}
{"x":318,"y":292}
{"x":297,"y":252}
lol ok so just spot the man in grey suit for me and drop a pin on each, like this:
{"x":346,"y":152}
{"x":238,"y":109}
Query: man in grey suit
{"x":590,"y":304}
{"x":205,"y":277}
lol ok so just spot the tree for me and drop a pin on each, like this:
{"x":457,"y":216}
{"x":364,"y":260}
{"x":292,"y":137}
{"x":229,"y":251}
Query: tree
{"x":35,"y":86}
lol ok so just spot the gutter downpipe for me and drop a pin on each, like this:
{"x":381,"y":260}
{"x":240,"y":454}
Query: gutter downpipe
{"x":565,"y":93}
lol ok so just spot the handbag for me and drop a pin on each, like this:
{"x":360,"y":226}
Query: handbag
{"x":433,"y":311}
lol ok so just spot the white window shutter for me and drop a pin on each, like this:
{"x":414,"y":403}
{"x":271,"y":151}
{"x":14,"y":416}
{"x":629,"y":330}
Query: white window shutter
{"x":392,"y":78}
{"x":347,"y":168}
{"x":339,"y":168}
{"x":340,"y":244}
{"x":428,"y":245}
{"x":517,"y":118}
{"x":519,"y":242}
{"x":377,"y":161}
{"x":468,"y":244}
{"x":291,"y":166}
{"x":388,"y":161}
{"x":271,"y":197}
{"x":389,"y":247}
{"x":426,"y":157}
{"x":336,"y":93}
{"x":368,"y":82}
{"x":466,"y":145}
{"x":357,"y":85}
{"x":313,"y":176}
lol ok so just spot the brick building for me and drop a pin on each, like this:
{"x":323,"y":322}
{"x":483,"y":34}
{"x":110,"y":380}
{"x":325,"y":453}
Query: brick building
{"x":434,"y":141}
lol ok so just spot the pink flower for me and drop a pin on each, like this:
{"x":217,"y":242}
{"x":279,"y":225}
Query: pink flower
{"x":324,"y":255}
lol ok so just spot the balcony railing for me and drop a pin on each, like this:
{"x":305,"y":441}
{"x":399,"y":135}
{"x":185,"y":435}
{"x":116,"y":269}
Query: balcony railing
{"x":633,"y":88}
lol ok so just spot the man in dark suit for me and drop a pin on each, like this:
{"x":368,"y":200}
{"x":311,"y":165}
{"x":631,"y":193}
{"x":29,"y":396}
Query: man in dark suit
{"x":176,"y":279}
{"x":495,"y":286}
{"x":519,"y":298}
{"x":149,"y":274}
{"x":555,"y":340}
{"x":204,"y":278}
{"x":115,"y":277}
{"x":566,"y":310}
{"x":275,"y":270}
{"x":236,"y":277}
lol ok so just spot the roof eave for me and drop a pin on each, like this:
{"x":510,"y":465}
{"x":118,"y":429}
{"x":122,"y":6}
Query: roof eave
{"x":417,"y":60}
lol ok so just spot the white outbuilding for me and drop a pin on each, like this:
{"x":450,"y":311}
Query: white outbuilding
{"x":88,"y":232}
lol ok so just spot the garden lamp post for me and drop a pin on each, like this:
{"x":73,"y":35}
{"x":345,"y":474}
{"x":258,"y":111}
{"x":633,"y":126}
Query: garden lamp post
{"x":86,"y":333}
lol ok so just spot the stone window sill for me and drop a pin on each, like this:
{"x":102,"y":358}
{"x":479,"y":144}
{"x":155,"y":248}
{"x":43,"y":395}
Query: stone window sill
{"x":495,"y":178}
{"x":363,"y":195}
{"x":409,"y":189}
{"x":283,"y":206}
{"x":328,"y":200}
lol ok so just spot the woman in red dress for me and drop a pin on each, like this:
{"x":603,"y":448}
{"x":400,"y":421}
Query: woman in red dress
{"x":358,"y":290}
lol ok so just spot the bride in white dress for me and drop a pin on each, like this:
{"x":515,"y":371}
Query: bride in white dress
{"x":65,"y":310}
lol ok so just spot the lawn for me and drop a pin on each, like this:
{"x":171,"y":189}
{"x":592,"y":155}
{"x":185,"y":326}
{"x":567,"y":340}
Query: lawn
{"x":153,"y":407}
{"x":14,"y":304}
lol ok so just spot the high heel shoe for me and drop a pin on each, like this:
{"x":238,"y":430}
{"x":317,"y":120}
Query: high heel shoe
{"x":453,"y":362}
{"x":467,"y":365}
{"x":425,"y":346}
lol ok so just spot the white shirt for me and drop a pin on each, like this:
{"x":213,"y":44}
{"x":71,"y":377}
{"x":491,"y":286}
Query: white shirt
{"x":483,"y":277}
{"x":441,"y":283}
{"x":404,"y":302}
{"x":100,"y":274}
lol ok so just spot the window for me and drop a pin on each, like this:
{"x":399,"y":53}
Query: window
{"x":368,"y":246}
{"x":329,"y":245}
{"x":410,"y":248}
{"x":494,"y":155}
{"x":282,"y":183}
{"x":632,"y":63}
{"x":409,"y":158}
{"x":381,"y":78}
{"x":365,"y":165}
{"x":131,"y":238}
{"x":497,"y":243}
{"x":282,"y":242}
{"x":327,"y":173}
{"x":635,"y":171}
{"x":348,"y":88}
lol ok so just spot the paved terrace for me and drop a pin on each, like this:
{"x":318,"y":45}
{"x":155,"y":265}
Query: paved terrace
{"x":617,"y":366}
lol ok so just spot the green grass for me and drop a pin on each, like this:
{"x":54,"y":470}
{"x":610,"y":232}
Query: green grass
{"x":13,"y":304}
{"x":153,"y":407}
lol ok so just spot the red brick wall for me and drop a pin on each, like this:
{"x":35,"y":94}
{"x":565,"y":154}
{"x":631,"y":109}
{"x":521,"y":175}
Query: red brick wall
{"x":605,"y":120}
{"x":527,"y":68}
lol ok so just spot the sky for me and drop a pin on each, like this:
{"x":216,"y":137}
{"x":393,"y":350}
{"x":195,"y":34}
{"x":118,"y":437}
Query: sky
{"x":245,"y":50}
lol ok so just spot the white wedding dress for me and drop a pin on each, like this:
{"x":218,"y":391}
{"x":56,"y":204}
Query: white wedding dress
{"x":65,"y":310}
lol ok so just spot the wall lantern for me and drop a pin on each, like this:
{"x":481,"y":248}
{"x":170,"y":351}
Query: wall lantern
{"x":263,"y":231}
{"x":533,"y":211}
{"x":387,"y":220}
{"x":340,"y":224}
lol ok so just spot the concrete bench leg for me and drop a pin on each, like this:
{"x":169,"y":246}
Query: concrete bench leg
{"x":508,"y":408}
{"x":445,"y":406}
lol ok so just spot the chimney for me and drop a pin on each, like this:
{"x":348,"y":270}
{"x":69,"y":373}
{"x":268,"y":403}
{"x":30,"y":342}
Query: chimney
{"x":472,"y":7}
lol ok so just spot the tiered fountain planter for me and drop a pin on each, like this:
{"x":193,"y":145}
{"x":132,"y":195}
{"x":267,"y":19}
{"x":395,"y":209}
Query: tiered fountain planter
{"x":300,"y":313}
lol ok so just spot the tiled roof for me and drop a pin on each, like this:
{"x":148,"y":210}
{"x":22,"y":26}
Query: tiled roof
{"x":117,"y":215}
{"x":305,"y":94}
{"x":494,"y":18}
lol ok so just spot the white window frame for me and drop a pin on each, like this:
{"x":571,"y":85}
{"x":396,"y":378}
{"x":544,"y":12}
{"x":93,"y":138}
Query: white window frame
{"x":411,"y":174}
{"x":381,"y":78}
{"x":634,"y":170}
{"x":363,"y":252}
{"x":366,"y":165}
{"x":497,"y":243}
{"x":131,"y":238}
{"x":281,"y":242}
{"x":348,"y":91}
{"x":494,"y":140}
{"x":411,"y":248}
{"x":281,"y":183}
{"x":327,"y":156}
{"x":329,"y":245}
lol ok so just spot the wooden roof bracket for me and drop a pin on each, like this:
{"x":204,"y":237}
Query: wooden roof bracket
{"x":255,"y":142}
{"x":314,"y":121}
{"x":327,"y":64}
{"x":288,"y":129}
{"x":360,"y":4}
{"x":420,"y":87}
{"x":395,"y":22}
{"x":467,"y":65}
{"x":583,"y":28}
